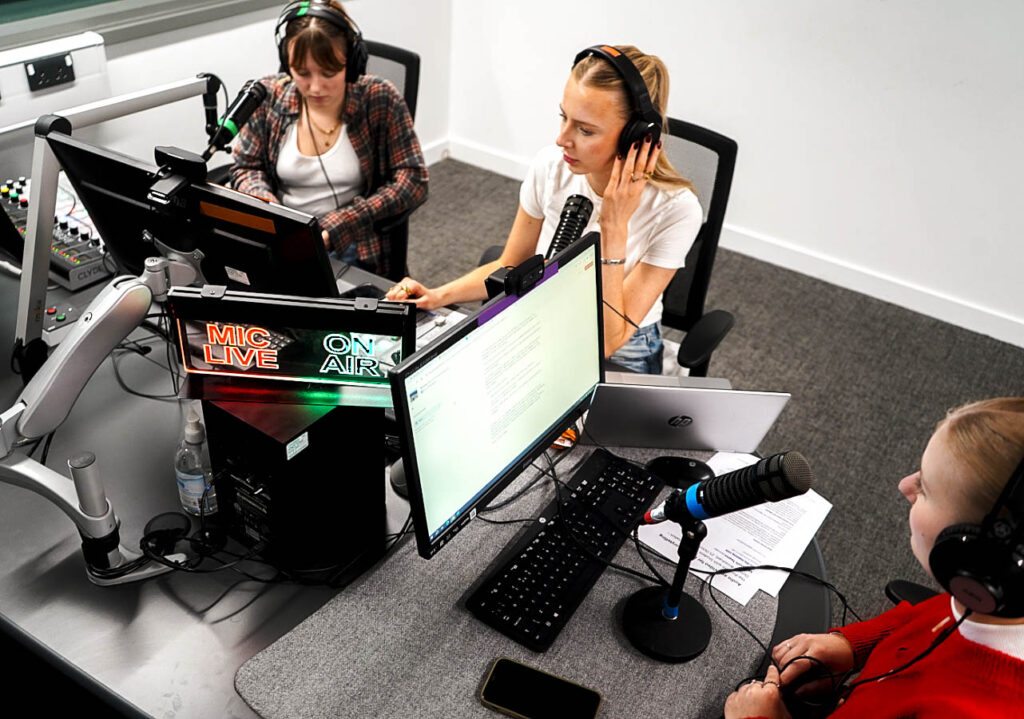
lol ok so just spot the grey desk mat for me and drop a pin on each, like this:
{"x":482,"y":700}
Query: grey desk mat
{"x":398,"y":642}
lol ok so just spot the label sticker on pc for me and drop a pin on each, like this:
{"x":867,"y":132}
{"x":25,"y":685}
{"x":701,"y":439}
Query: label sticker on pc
{"x":297,"y":445}
{"x":237,"y":276}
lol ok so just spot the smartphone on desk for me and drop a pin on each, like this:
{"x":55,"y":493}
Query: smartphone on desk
{"x":521,"y":691}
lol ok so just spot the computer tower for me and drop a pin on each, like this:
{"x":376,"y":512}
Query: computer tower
{"x":301,"y":485}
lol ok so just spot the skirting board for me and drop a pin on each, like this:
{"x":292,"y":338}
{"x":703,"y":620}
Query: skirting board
{"x":867,"y":281}
{"x":875,"y":284}
{"x":487,"y":158}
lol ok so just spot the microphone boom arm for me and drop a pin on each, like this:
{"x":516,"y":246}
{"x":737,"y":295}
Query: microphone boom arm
{"x":45,"y":402}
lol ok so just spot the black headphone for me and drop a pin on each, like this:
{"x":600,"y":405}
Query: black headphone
{"x":982,"y":565}
{"x":644,"y":120}
{"x":356,"y":55}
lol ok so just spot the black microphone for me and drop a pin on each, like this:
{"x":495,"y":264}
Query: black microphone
{"x":213,"y":85}
{"x":251,"y":96}
{"x":771,"y":479}
{"x":575,"y":216}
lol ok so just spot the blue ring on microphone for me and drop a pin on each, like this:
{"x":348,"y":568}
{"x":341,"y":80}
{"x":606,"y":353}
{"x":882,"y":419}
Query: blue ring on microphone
{"x":693,"y":506}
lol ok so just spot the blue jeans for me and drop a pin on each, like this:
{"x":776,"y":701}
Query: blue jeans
{"x":642,"y":352}
{"x":349,"y":255}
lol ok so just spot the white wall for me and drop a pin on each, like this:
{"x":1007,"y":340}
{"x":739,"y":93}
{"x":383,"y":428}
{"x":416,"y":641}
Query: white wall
{"x":880,"y":142}
{"x":240,"y":48}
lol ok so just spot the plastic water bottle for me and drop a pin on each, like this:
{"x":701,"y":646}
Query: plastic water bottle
{"x":192,"y":467}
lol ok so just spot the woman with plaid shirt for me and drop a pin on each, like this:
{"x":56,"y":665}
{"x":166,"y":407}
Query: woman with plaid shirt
{"x":327,"y":142}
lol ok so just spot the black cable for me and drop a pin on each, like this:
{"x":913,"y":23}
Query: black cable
{"x":529,"y":485}
{"x":319,"y":576}
{"x":46,"y":447}
{"x":528,"y":520}
{"x":320,"y":159}
{"x":559,"y":484}
{"x":114,"y":361}
{"x":606,"y":303}
{"x":172,"y":360}
{"x":643,"y":557}
{"x":36,"y":443}
{"x":946,"y":633}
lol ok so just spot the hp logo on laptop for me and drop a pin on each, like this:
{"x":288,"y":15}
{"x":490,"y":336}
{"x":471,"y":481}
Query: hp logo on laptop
{"x":680,"y":420}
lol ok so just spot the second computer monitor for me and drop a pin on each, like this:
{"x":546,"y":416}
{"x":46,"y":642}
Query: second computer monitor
{"x":485,"y":400}
{"x":237,"y":240}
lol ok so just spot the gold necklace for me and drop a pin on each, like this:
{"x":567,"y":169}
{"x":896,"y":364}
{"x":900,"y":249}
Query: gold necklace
{"x":317,"y":127}
{"x":327,"y":133}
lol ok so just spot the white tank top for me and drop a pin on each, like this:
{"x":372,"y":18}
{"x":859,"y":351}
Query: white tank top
{"x":303,"y":186}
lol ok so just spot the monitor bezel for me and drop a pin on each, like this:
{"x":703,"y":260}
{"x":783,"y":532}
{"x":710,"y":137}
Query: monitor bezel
{"x":234,"y":215}
{"x":426,"y":546}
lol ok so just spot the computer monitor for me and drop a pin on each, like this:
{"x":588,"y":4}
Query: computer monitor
{"x":477,"y":406}
{"x":246,"y":243}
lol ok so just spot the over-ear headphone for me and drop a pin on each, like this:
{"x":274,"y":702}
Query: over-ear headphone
{"x":356,"y":54}
{"x":982,"y":565}
{"x":644,"y":120}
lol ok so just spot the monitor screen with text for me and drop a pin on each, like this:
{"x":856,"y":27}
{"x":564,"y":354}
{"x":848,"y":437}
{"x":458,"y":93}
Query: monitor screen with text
{"x":482,"y":402}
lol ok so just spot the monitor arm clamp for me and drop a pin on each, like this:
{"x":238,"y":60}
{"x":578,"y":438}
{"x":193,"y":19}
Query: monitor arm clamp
{"x":45,"y":402}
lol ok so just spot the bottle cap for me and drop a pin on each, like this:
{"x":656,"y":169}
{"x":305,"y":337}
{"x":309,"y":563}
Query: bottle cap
{"x":195,"y":433}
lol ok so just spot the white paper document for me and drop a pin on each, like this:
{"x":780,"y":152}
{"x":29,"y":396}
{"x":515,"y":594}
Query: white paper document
{"x":775,"y":533}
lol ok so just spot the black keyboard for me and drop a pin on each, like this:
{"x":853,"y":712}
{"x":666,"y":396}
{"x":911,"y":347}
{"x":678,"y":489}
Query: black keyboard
{"x":542,"y":576}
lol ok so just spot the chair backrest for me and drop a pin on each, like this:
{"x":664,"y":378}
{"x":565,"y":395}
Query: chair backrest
{"x":708,"y":160}
{"x":402,"y":67}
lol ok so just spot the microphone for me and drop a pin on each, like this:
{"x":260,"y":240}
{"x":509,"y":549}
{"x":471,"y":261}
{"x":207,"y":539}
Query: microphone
{"x":249,"y":98}
{"x":771,"y":479}
{"x":575,"y":216}
{"x":213,"y":85}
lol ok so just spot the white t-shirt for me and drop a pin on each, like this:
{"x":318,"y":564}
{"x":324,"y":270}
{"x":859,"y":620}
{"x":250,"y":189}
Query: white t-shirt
{"x":302,"y":183}
{"x":660,"y":231}
{"x":1005,"y":638}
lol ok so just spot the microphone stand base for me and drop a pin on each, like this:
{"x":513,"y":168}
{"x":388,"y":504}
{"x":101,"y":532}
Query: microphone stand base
{"x":667,"y":640}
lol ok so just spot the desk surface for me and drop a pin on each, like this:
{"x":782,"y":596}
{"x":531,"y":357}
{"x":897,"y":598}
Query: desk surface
{"x":399,"y":642}
{"x":172,"y":645}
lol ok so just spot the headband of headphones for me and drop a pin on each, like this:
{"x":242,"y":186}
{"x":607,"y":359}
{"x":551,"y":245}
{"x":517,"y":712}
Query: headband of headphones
{"x":356,"y":53}
{"x":1011,"y":499}
{"x":645,"y":120}
{"x":642,"y":104}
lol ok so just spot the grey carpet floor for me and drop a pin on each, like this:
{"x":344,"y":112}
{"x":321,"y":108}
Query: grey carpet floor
{"x":869,"y":379}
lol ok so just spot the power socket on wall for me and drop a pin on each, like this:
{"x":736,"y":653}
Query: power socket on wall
{"x":50,"y":71}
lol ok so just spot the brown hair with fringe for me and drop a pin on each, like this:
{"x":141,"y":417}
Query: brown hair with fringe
{"x":320,"y":39}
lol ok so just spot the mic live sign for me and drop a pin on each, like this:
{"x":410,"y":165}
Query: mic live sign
{"x":300,"y":354}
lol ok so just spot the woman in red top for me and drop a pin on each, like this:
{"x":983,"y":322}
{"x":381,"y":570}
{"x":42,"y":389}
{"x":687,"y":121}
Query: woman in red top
{"x":978,"y":670}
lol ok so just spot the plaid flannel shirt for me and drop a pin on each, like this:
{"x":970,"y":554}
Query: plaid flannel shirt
{"x":381,"y":132}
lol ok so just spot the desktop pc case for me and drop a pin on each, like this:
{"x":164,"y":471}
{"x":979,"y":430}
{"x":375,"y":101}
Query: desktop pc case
{"x":301,"y":485}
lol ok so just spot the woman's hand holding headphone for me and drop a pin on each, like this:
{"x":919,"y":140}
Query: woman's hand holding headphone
{"x":630,"y":175}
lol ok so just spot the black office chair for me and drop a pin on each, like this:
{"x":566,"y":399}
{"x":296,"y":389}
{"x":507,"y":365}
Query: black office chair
{"x":707,"y":159}
{"x":402,"y":68}
{"x":901,"y":590}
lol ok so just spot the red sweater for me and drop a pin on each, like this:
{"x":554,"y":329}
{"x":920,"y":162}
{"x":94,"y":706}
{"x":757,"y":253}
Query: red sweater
{"x":958,"y":679}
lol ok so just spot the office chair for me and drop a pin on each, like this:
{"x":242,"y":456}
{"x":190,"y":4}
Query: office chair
{"x":402,"y":68}
{"x":707,"y":159}
{"x":899,"y":590}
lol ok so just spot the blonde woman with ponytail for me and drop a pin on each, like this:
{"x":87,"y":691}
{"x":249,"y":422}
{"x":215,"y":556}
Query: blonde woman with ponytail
{"x":647,"y":214}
